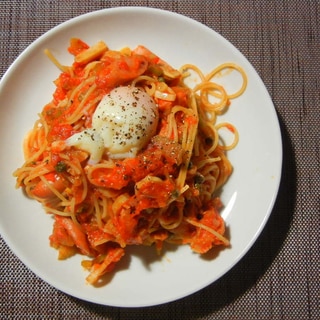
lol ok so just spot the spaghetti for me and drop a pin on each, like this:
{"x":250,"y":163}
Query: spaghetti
{"x":165,"y":193}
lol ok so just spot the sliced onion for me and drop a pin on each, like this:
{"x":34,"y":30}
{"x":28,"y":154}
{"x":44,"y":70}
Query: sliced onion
{"x":165,"y":96}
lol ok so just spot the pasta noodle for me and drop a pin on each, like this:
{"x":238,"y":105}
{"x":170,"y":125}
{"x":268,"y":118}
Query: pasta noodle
{"x":166,"y":193}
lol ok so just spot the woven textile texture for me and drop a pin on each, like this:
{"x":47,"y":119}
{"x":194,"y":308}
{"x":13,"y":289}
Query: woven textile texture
{"x":279,"y":277}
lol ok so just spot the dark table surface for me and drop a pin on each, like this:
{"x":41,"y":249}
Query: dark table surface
{"x":279,"y":277}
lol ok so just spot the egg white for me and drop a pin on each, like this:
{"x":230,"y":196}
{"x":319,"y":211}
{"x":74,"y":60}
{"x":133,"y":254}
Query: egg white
{"x":122,"y":124}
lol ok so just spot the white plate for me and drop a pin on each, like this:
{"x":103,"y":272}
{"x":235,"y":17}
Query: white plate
{"x":142,"y":278}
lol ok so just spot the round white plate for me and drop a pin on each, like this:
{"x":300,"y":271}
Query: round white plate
{"x":142,"y":278}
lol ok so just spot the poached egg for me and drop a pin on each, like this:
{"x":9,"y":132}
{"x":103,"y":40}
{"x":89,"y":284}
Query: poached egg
{"x":122,"y":124}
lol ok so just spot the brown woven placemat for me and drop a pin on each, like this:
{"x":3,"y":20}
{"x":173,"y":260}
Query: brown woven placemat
{"x":279,"y":277}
